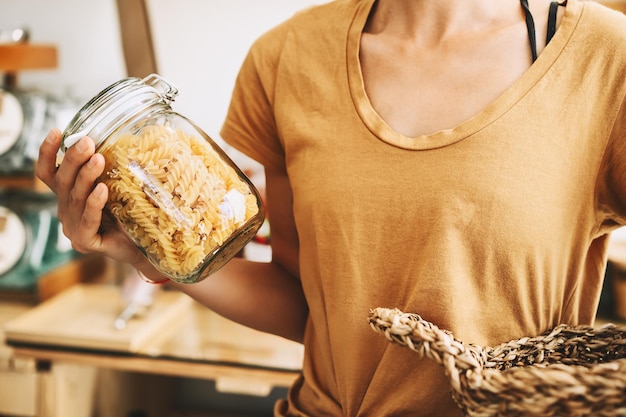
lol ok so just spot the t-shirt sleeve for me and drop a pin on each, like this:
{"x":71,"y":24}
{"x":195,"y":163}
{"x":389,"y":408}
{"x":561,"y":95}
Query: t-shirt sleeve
{"x":250,"y":125}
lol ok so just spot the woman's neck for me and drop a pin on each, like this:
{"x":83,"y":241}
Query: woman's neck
{"x":431,"y":22}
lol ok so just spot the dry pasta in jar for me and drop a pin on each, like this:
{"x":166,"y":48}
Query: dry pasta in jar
{"x":176,"y":194}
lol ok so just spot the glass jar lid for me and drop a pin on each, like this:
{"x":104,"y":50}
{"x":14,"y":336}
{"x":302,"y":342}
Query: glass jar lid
{"x":114,"y":104}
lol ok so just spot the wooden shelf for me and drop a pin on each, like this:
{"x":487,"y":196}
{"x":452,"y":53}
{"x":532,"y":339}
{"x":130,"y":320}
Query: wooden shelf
{"x":20,"y":57}
{"x":24,"y":56}
{"x":25,"y":182}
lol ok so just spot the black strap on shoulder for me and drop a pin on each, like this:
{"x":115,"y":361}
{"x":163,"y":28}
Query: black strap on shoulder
{"x":530,"y":25}
{"x":552,"y":19}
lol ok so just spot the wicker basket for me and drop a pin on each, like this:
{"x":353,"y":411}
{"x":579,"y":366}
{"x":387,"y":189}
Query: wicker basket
{"x":568,"y":371}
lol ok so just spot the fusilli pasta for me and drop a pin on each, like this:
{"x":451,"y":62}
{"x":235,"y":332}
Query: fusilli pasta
{"x":174,"y":196}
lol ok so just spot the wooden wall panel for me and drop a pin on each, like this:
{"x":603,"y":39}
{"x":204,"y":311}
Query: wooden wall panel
{"x":136,"y":38}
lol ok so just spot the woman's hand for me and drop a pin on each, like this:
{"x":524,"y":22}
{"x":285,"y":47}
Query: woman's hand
{"x":81,"y":199}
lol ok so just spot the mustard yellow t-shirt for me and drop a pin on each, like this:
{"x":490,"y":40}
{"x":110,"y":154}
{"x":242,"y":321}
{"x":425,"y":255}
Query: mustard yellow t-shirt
{"x":495,"y":229}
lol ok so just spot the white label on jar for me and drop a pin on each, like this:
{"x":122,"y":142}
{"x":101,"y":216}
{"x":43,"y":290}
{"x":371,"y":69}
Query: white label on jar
{"x":234,"y":206}
{"x":161,"y":198}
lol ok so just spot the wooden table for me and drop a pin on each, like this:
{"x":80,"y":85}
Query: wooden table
{"x":199,"y":344}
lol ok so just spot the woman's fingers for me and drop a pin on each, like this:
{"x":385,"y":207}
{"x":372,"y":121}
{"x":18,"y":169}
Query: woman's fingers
{"x":79,"y":208}
{"x":97,"y":232}
{"x":81,"y":198}
{"x":47,"y":160}
{"x":73,"y":161}
{"x":85,"y":180}
{"x":86,"y":237}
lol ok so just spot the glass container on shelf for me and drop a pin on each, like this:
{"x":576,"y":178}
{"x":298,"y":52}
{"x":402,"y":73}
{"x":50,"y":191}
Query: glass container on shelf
{"x":25,"y":118}
{"x":31,"y":240}
{"x":181,"y":199}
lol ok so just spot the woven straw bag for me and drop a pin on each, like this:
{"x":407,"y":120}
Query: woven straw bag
{"x":568,"y":371}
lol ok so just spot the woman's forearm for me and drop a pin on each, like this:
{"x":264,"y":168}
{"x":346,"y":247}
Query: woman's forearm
{"x":263,"y":296}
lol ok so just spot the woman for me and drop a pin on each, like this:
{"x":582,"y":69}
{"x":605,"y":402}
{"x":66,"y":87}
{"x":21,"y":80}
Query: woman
{"x":417,"y":156}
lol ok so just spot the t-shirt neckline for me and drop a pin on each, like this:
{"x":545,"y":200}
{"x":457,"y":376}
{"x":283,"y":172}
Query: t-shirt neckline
{"x":377,"y":126}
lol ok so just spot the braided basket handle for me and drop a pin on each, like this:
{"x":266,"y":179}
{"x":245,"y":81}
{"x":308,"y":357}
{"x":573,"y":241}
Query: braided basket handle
{"x":430,"y":341}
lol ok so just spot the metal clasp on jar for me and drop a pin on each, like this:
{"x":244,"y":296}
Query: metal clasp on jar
{"x":169,"y":91}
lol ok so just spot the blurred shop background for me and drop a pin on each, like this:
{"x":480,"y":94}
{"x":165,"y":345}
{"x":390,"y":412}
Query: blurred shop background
{"x":198,"y":45}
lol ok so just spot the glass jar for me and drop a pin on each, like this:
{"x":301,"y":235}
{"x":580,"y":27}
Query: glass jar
{"x":31,"y":240}
{"x":172,"y":189}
